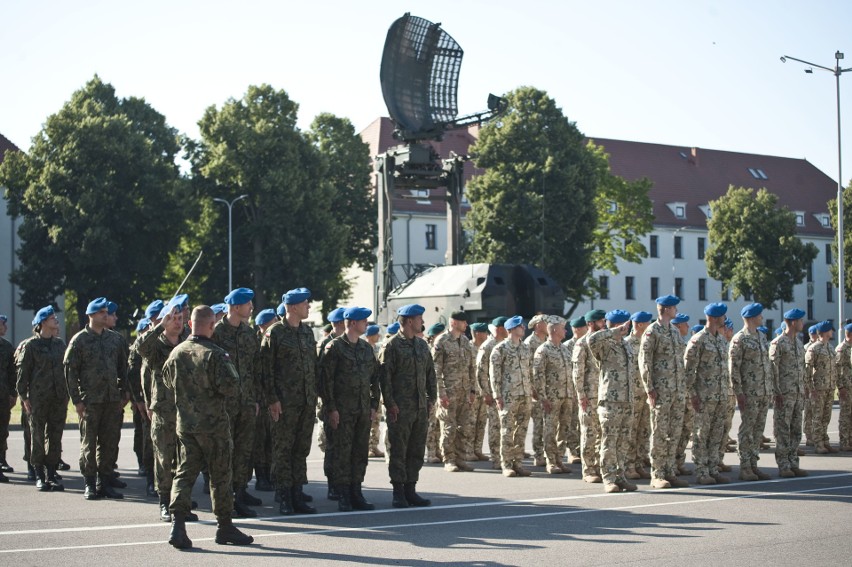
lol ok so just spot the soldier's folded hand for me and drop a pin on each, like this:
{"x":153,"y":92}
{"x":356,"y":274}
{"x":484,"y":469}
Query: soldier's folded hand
{"x":275,"y":411}
{"x":393,"y":413}
{"x":334,"y":419}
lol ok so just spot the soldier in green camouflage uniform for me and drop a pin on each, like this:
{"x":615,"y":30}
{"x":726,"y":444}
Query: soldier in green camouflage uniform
{"x":338,"y":327}
{"x":349,"y":374}
{"x":706,"y":371}
{"x":614,"y":359}
{"x":95,"y":372}
{"x":513,"y":390}
{"x":751,"y":378}
{"x":843,"y":363}
{"x":640,"y":425}
{"x":821,"y":378}
{"x":409,"y":390}
{"x":538,"y":324}
{"x":661,"y":367}
{"x":288,"y":352}
{"x":141,"y":424}
{"x":787,"y":356}
{"x":203,"y":382}
{"x":44,"y":395}
{"x":483,"y":384}
{"x":572,"y":436}
{"x":552,"y":375}
{"x":455,"y":372}
{"x":7,"y":395}
{"x":586,"y":379}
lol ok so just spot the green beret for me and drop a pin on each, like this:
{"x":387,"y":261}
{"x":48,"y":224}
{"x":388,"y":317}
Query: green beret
{"x":499,"y":321}
{"x":578,"y":322}
{"x":435,"y":329}
{"x":479,"y":327}
{"x":595,"y":315}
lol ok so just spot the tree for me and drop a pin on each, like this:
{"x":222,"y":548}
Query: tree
{"x":753,"y":246}
{"x":95,"y":191}
{"x":847,"y":239}
{"x":535,"y":202}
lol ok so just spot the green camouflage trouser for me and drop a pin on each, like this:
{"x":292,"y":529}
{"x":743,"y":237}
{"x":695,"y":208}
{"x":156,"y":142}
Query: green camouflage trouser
{"x":243,"y":424}
{"x":350,"y":445}
{"x":556,"y":429}
{"x":406,"y":444}
{"x":750,"y":434}
{"x":666,"y":425}
{"x":845,"y":421}
{"x":640,"y":435}
{"x":100,"y":432}
{"x":821,"y":415}
{"x":514,"y":421}
{"x":453,"y":421}
{"x":214,"y":450}
{"x":590,"y":438}
{"x":291,"y":444}
{"x":165,"y":443}
{"x":5,"y":417}
{"x":685,"y":432}
{"x":47,"y":422}
{"x":787,"y":425}
{"x":614,"y":418}
{"x":707,"y":435}
{"x":537,"y":416}
{"x":262,"y":452}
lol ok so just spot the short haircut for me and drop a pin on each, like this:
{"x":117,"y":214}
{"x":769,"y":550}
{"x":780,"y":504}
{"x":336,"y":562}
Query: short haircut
{"x":202,"y":315}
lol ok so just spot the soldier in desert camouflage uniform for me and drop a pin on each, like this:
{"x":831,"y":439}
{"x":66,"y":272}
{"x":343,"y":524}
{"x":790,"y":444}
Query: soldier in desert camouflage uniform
{"x":639,"y":445}
{"x":843,"y":363}
{"x":478,"y":422}
{"x":586,"y":379}
{"x":483,"y":382}
{"x":787,"y":356}
{"x":572,"y":442}
{"x":821,"y":377}
{"x":681,"y":323}
{"x":552,"y":374}
{"x":538,"y":325}
{"x":433,"y":434}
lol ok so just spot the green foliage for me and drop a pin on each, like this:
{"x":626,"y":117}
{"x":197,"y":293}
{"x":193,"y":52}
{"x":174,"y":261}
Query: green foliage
{"x":95,"y":192}
{"x":754,"y":248}
{"x":847,"y":239}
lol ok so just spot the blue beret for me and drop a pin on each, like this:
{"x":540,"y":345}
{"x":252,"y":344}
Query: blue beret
{"x":812,"y":330}
{"x":281,"y":310}
{"x":499,"y":321}
{"x":3,"y":318}
{"x":176,"y":304}
{"x":697,"y":328}
{"x":641,"y":317}
{"x":578,"y":322}
{"x":143,"y":324}
{"x":435,"y":329}
{"x":479,"y":327}
{"x":372,"y":330}
{"x":297,"y":295}
{"x":715,"y":309}
{"x":43,"y":314}
{"x":96,"y":305}
{"x":668,"y":300}
{"x":680,"y":318}
{"x":848,"y":328}
{"x":594,"y":315}
{"x":763,"y":329}
{"x":824,"y":326}
{"x":112,"y":307}
{"x":336,"y":315}
{"x":154,"y":308}
{"x":794,"y":314}
{"x":751,"y":310}
{"x":728,"y":323}
{"x":357,"y":313}
{"x":393,"y":328}
{"x":411,"y":310}
{"x":239,"y":296}
{"x":618,"y":316}
{"x":780,"y":330}
{"x":264,"y":317}
{"x":219,"y":308}
{"x":513,"y":322}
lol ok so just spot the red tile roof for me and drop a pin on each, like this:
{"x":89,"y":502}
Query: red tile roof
{"x":6,"y":146}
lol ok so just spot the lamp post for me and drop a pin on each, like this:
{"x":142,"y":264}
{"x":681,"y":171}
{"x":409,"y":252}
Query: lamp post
{"x":836,"y":71}
{"x":674,"y":239}
{"x":230,"y":206}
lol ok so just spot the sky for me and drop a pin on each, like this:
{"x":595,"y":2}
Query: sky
{"x":693,"y":74}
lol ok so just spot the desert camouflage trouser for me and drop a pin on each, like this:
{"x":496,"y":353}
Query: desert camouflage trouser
{"x":433,"y":434}
{"x":685,"y":432}
{"x":729,"y":421}
{"x":590,"y":437}
{"x":845,"y":421}
{"x":750,"y":434}
{"x":709,"y":430}
{"x":493,"y":432}
{"x":640,"y":435}
{"x":666,"y":425}
{"x":453,"y":421}
{"x":807,"y":420}
{"x":787,"y":427}
{"x":556,"y":429}
{"x":478,"y":423}
{"x":537,"y":416}
{"x":615,"y":420}
{"x":514,"y":421}
{"x":820,"y":415}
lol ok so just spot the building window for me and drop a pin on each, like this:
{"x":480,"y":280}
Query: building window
{"x":726,"y":295}
{"x":702,"y":289}
{"x":678,"y":247}
{"x":680,"y":212}
{"x":431,"y":237}
{"x":800,"y":218}
{"x":702,"y":244}
{"x":654,"y":245}
{"x":629,"y":288}
{"x":825,"y":221}
{"x":811,"y":309}
{"x":829,"y":292}
{"x":655,"y":288}
{"x":604,"y":285}
{"x":828,"y":254}
{"x":678,"y":290}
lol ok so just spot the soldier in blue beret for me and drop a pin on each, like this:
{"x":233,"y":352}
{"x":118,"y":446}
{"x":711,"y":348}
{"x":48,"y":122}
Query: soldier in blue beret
{"x":787,"y":356}
{"x":844,"y":384}
{"x":586,"y":381}
{"x":338,"y":327}
{"x":281,"y":310}
{"x":264,"y":318}
{"x":393,"y":328}
{"x":219,"y":311}
{"x":153,"y":310}
{"x":668,"y":300}
{"x":640,"y":428}
{"x":142,"y":324}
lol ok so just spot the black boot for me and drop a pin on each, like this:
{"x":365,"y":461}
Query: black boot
{"x":249,"y":499}
{"x":357,"y":498}
{"x":206,"y":488}
{"x":3,"y":478}
{"x":413,"y":498}
{"x":286,"y":506}
{"x":344,"y":503}
{"x":241,"y":509}
{"x":178,"y":538}
{"x":307,"y":497}
{"x":41,"y":481}
{"x":114,"y":481}
{"x":262,"y":482}
{"x":91,"y":491}
{"x":226,"y":533}
{"x":63,"y":466}
{"x":106,"y":490}
{"x":333,"y":494}
{"x":399,"y":500}
{"x":31,"y":475}
{"x":165,"y":515}
{"x":54,"y":480}
{"x":150,"y":489}
{"x":299,"y":504}
{"x":4,"y":466}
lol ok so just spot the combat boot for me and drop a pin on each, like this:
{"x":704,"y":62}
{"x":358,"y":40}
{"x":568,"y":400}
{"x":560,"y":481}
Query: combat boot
{"x":413,"y":498}
{"x":706,"y":479}
{"x":611,"y":487}
{"x":358,"y":500}
{"x":344,"y":503}
{"x":41,"y":481}
{"x":632,"y":474}
{"x":480,"y":456}
{"x":227,"y":533}
{"x":4,"y":466}
{"x":626,"y":485}
{"x":683,"y":470}
{"x":831,"y":448}
{"x":676,"y":482}
{"x":63,"y":466}
{"x":106,"y":490}
{"x":113,"y":481}
{"x":720,"y":479}
{"x":263,"y":482}
{"x":660,"y":483}
{"x":451,"y":467}
{"x":150,"y":489}
{"x":241,"y":509}
{"x":799,"y":472}
{"x":249,"y":499}
{"x":760,"y":474}
{"x":333,"y":494}
{"x":821,"y":449}
{"x":54,"y":480}
{"x":518,"y":468}
{"x":786,"y":473}
{"x":554,"y":469}
{"x":643,"y":472}
{"x":286,"y":506}
{"x":399,"y":499}
{"x":31,"y":474}
{"x":747,"y":475}
{"x":724,"y":468}
{"x":463,"y":466}
{"x":91,"y":491}
{"x":592,"y":478}
{"x":165,"y":515}
{"x":178,"y":538}
{"x":299,"y":504}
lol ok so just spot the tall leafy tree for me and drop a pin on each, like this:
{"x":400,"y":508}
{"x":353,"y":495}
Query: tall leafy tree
{"x":96,"y":192}
{"x":847,"y":239}
{"x":753,"y":246}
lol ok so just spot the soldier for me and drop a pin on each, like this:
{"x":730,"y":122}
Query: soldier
{"x":219,"y":310}
{"x":288,"y":352}
{"x":586,"y":379}
{"x":262,"y":452}
{"x":681,"y":323}
{"x":409,"y":389}
{"x":843,"y":352}
{"x":538,"y":325}
{"x":7,"y":395}
{"x":233,"y":334}
{"x":639,"y":447}
{"x":513,"y":390}
{"x":820,"y":375}
{"x":44,"y":396}
{"x":141,"y":427}
{"x":483,"y":383}
{"x":728,"y":443}
{"x":455,"y":372}
{"x":707,"y":385}
{"x":613,"y":357}
{"x":661,"y":367}
{"x":808,"y":419}
{"x":203,"y":383}
{"x":572,"y":436}
{"x":751,"y":378}
{"x":350,"y":378}
{"x":552,"y":374}
{"x":372,"y":336}
{"x":787,"y":356}
{"x":433,"y":434}
{"x":338,"y":327}
{"x":479,"y":409}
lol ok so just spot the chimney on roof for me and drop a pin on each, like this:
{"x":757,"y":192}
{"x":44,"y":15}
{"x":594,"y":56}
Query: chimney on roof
{"x":693,"y":159}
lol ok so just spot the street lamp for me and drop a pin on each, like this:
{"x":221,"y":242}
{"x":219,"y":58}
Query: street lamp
{"x":674,"y":239}
{"x":230,"y":206}
{"x":837,"y":71}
